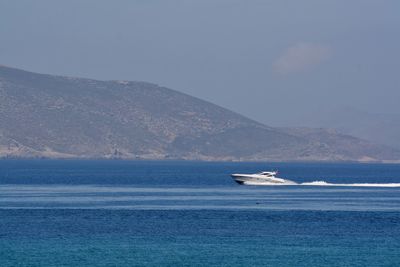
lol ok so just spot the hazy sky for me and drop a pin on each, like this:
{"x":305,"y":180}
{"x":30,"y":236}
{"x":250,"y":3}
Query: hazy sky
{"x":279,"y":62}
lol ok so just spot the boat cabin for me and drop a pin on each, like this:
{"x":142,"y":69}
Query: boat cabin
{"x":268,"y":174}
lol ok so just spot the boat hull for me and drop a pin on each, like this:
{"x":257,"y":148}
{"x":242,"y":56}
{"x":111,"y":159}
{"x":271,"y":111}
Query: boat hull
{"x":259,"y":180}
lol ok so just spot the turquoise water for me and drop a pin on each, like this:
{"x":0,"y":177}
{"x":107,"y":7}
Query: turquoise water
{"x":124,"y":213}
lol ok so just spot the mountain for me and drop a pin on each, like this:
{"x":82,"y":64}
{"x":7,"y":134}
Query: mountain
{"x":63,"y":117}
{"x":378,"y":128}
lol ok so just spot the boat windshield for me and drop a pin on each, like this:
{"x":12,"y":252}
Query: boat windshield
{"x":267,"y":173}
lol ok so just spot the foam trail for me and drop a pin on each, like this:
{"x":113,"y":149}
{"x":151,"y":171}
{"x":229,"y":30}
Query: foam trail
{"x":323,"y":183}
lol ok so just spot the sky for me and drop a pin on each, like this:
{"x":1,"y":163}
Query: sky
{"x":283,"y":63}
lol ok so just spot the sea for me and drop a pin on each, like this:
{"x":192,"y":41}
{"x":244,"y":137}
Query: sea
{"x":184,"y":213}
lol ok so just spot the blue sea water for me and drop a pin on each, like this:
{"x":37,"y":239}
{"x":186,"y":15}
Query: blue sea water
{"x":149,"y":213}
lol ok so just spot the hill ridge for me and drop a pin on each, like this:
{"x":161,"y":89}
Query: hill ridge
{"x":55,"y":116}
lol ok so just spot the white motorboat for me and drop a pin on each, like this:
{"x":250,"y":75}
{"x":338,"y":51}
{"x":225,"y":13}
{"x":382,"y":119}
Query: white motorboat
{"x":266,"y":178}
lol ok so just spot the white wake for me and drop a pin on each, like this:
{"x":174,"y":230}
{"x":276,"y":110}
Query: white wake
{"x":323,"y":183}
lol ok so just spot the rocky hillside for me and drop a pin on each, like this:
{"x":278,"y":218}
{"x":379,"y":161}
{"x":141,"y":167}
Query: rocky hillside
{"x":63,"y":117}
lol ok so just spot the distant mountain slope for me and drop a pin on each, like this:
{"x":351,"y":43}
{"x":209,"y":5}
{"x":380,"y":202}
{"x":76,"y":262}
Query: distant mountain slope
{"x":332,"y":142}
{"x":60,"y":117}
{"x":377,"y":128}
